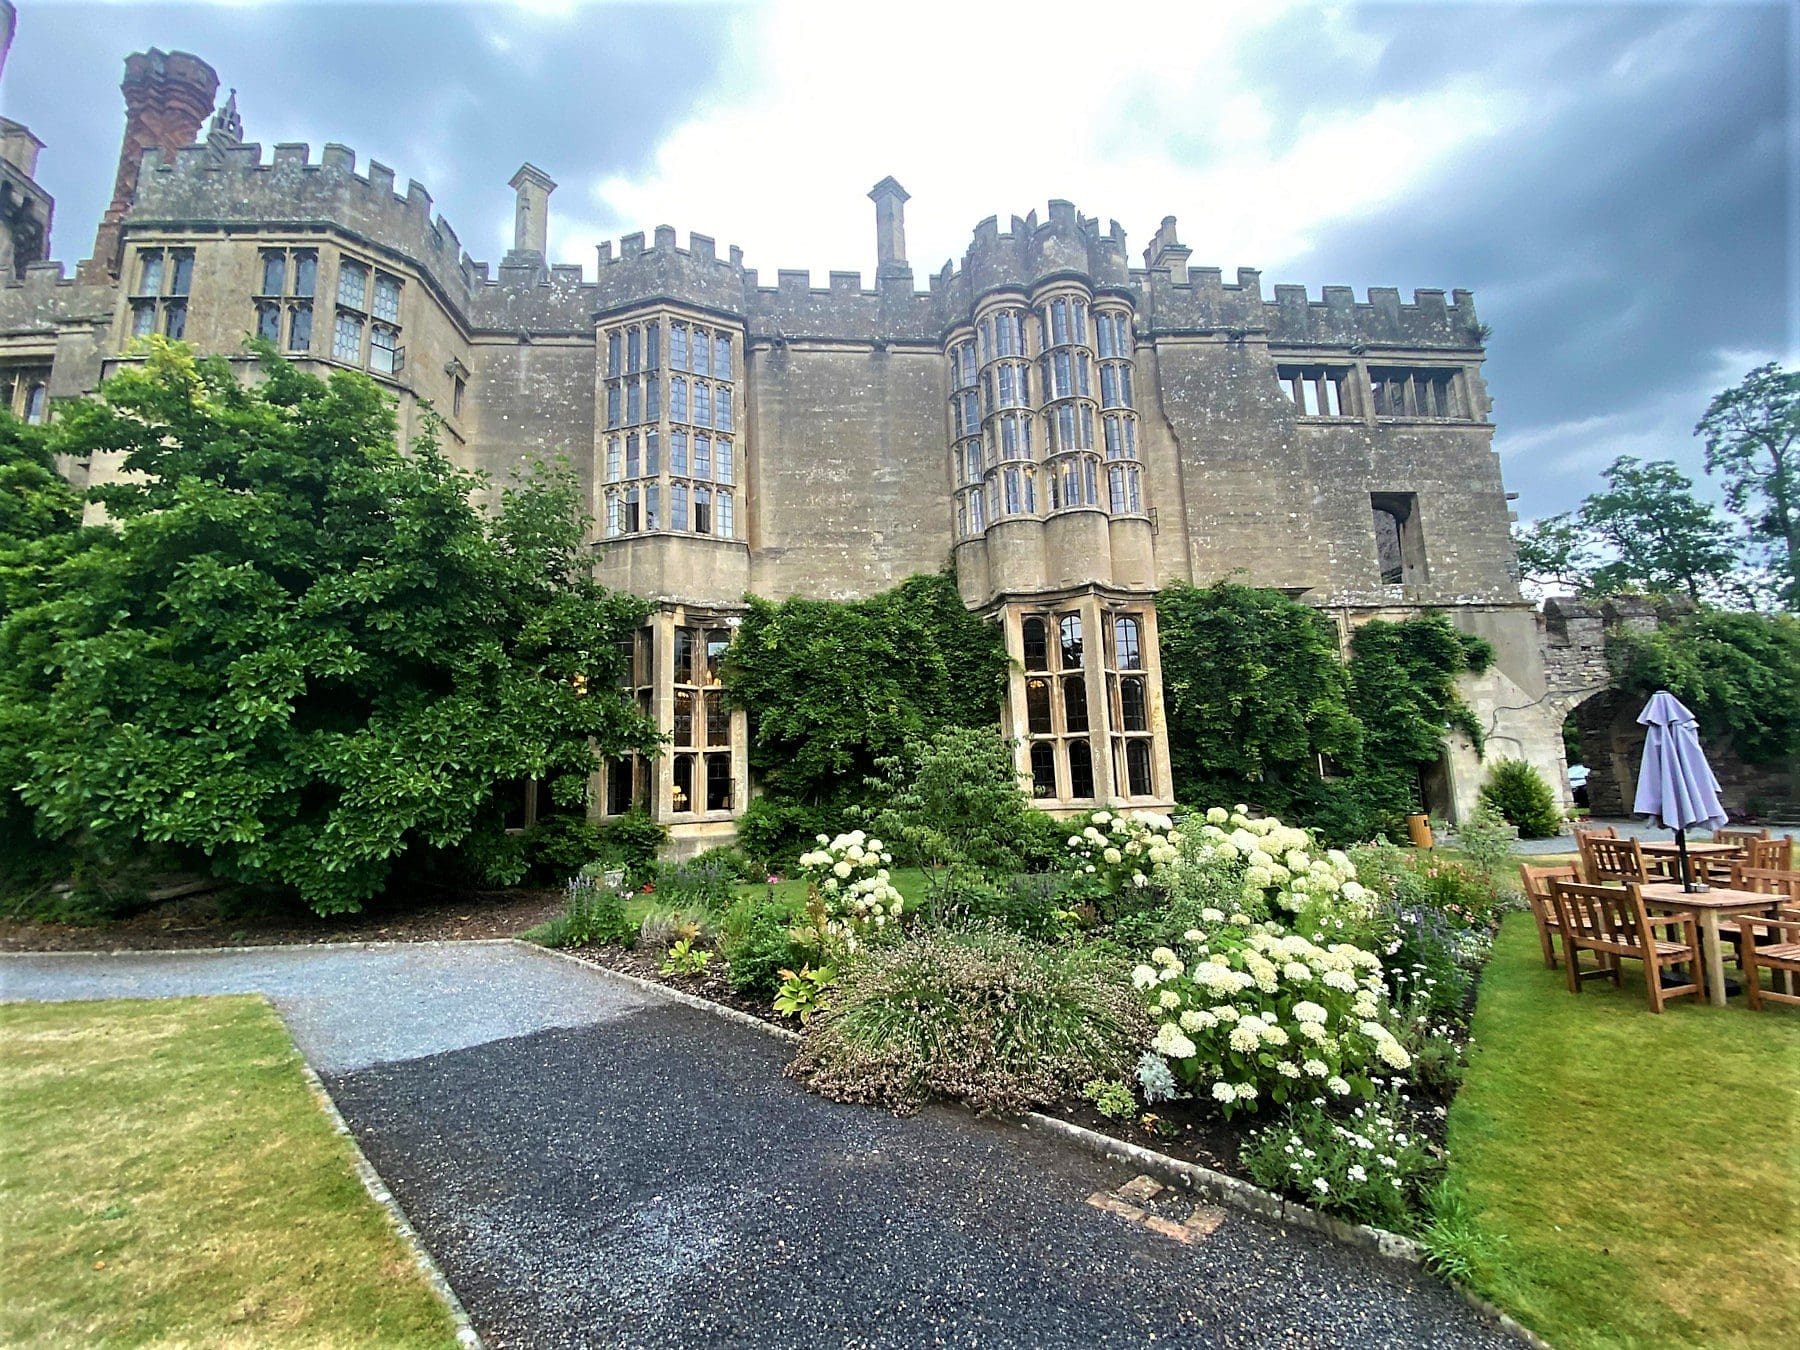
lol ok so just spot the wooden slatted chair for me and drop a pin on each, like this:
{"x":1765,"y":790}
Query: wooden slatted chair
{"x":1538,"y":895}
{"x":1614,"y":925}
{"x":1770,"y":854}
{"x":1604,"y":859}
{"x":1743,"y":834}
{"x":1762,"y":881}
{"x":1779,"y":954}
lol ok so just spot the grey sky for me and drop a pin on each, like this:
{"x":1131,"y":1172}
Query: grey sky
{"x":1616,"y":183}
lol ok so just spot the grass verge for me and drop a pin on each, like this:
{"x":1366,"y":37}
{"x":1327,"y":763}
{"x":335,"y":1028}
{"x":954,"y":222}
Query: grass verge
{"x":1632,"y":1180}
{"x":168,"y":1178}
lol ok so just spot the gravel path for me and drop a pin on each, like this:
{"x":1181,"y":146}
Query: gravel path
{"x":593,"y":1165}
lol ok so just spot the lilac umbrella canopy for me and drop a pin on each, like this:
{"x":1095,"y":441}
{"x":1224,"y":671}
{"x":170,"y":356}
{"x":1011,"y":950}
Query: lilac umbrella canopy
{"x":1676,"y":785}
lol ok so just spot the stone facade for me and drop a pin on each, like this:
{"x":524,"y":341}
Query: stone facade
{"x":1067,"y":430}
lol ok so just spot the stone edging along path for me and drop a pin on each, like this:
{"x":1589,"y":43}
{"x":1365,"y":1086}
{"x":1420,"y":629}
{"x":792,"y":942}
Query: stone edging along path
{"x":466,"y":1334}
{"x":1185,"y":1176}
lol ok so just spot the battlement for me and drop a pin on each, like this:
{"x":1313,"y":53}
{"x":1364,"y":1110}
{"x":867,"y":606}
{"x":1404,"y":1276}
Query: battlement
{"x":204,"y":184}
{"x":47,"y":295}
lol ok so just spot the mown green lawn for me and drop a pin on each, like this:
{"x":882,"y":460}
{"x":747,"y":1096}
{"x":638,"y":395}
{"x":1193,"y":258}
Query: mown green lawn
{"x":166,"y":1177}
{"x":791,"y":892}
{"x":1642,"y":1173}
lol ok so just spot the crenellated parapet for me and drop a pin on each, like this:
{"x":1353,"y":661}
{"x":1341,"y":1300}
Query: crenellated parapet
{"x":1202,"y":301}
{"x":46,"y":297}
{"x":201,"y":186}
{"x":1032,"y":251}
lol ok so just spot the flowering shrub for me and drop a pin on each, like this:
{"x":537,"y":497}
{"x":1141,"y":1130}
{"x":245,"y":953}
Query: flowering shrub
{"x":849,"y":875}
{"x":1370,"y":1166}
{"x":1120,"y":850}
{"x":1255,"y":1014}
{"x":1282,"y":868}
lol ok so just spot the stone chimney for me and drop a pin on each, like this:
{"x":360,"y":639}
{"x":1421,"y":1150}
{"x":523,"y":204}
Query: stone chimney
{"x":890,"y":227}
{"x":1167,"y":251}
{"x":168,"y":96}
{"x":531,"y":218}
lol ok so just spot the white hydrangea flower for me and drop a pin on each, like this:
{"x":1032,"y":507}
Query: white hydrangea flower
{"x":1307,"y":1011}
{"x":1143,"y":976}
{"x":1224,"y":1092}
{"x":1316,"y":1068}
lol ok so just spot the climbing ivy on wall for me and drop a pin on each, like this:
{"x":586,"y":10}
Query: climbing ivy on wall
{"x":832,"y":686}
{"x":1255,"y":692}
{"x":1403,"y":691}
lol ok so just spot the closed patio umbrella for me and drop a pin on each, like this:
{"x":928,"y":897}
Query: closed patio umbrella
{"x":1676,"y":786}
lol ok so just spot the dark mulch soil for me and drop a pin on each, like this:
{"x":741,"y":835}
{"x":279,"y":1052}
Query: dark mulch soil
{"x":201,"y":921}
{"x":648,"y":966}
{"x":1195,"y":1133}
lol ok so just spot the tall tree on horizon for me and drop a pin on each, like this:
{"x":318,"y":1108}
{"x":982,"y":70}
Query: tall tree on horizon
{"x":1752,"y":434}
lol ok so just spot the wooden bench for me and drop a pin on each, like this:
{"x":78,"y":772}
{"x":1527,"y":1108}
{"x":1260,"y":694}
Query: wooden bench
{"x":1614,"y":925}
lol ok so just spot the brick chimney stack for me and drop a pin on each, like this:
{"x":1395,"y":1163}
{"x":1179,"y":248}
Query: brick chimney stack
{"x":890,"y":227}
{"x":168,"y":96}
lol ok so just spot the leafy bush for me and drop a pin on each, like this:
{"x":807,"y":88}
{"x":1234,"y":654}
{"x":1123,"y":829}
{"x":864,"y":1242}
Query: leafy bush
{"x":705,"y":884}
{"x":595,"y":915}
{"x":631,"y":843}
{"x":756,"y":938}
{"x":300,"y":652}
{"x":1488,"y":840}
{"x":1519,"y":793}
{"x":1111,"y":1098}
{"x":983,"y":1017}
{"x":558,"y":847}
{"x":831,"y":686}
{"x":684,"y":958}
{"x":733,"y":861}
{"x":1042,"y":841}
{"x":849,"y":877}
{"x":951,"y":803}
{"x":806,"y":992}
{"x":1370,"y":1167}
{"x":1256,"y":692}
{"x":1118,"y":852}
{"x":662,"y":927}
{"x":1282,"y":870}
{"x":774,"y":833}
{"x":1253,"y":1014}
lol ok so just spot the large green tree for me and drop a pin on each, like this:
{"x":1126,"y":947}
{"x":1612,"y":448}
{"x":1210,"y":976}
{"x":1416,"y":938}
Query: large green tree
{"x":1255,"y":692}
{"x":1740,"y":673}
{"x":300,"y":655}
{"x":1659,"y":535}
{"x":1752,"y":435}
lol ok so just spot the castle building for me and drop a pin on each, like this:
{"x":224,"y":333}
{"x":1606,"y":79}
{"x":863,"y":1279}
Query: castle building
{"x":1068,"y":431}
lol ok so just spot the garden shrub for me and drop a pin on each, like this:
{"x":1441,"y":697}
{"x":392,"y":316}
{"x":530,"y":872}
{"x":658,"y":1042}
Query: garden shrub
{"x":595,"y":916}
{"x":663,"y":926}
{"x":1031,"y":904}
{"x":773,"y":833}
{"x":1371,"y":1166}
{"x":1255,"y":692}
{"x":734,"y":861}
{"x":558,"y":847}
{"x":1248,"y":1014}
{"x":631,"y":842}
{"x":757,"y":940}
{"x":1519,"y":793}
{"x":984,"y":1017}
{"x":1283,"y":872}
{"x":702,"y":883}
{"x":1042,"y":841}
{"x":1114,"y":854}
{"x":831,"y":686}
{"x":951,"y":803}
{"x":848,"y":875}
{"x":1487,"y":840}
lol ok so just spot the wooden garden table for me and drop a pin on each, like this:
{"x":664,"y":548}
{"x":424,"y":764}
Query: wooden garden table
{"x":1708,"y":907}
{"x":1667,"y":848}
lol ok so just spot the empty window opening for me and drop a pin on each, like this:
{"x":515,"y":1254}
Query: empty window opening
{"x":1399,"y":544}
